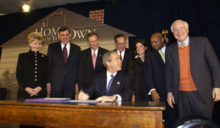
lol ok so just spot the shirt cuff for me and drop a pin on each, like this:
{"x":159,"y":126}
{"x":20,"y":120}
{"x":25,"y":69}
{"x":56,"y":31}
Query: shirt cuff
{"x":119,"y":97}
{"x":149,"y":93}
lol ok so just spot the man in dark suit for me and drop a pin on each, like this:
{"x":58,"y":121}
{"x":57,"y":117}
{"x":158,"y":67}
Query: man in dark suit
{"x":192,"y":73}
{"x":124,"y":53}
{"x":63,"y":60}
{"x":154,"y":77}
{"x":90,"y":61}
{"x":154,"y":69}
{"x":110,"y":85}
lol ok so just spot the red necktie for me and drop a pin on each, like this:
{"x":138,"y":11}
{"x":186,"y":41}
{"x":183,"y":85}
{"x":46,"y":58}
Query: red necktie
{"x":65,"y":53}
{"x":65,"y":56}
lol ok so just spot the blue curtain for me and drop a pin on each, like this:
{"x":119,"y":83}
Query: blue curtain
{"x":139,"y":17}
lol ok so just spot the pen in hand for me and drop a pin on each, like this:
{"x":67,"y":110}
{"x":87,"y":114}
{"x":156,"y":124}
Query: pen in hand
{"x":83,"y":95}
{"x":83,"y":90}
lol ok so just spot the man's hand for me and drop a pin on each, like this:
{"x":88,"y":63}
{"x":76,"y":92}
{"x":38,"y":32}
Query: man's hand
{"x":76,"y":87}
{"x":216,"y":94}
{"x":83,"y":96}
{"x":37,"y":90}
{"x":105,"y":98}
{"x":48,"y":88}
{"x":155,"y":96}
{"x":170,"y":99}
{"x":133,"y":98}
{"x":30,"y":91}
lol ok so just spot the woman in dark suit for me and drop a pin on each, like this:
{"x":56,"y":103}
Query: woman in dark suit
{"x":135,"y":70}
{"x":32,"y":71}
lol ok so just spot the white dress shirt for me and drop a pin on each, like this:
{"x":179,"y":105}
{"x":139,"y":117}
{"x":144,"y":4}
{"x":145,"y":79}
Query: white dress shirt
{"x":122,"y":54}
{"x":108,"y":80}
{"x":67,"y":47}
{"x":96,"y":51}
{"x":163,"y":50}
{"x":186,"y":42}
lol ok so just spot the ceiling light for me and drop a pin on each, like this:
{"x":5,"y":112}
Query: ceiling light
{"x":25,"y":8}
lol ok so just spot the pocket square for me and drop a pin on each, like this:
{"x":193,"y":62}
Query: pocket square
{"x":118,"y":82}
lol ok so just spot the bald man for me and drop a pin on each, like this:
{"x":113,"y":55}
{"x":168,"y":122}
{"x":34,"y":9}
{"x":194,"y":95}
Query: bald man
{"x":192,"y":73}
{"x":154,"y":77}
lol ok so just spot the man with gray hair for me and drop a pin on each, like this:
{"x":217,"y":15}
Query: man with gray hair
{"x":192,"y":73}
{"x":109,"y":85}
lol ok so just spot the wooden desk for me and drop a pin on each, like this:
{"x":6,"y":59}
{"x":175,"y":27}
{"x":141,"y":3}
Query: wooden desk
{"x":112,"y":115}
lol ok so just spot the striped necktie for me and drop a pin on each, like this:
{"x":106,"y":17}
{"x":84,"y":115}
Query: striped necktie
{"x":65,"y":53}
{"x":162,"y":56}
{"x":65,"y":56}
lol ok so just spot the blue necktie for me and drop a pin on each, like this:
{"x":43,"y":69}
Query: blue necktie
{"x":109,"y":84}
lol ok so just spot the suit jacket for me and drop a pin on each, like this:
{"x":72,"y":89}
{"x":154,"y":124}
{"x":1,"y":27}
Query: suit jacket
{"x":135,"y":69}
{"x":86,"y":70}
{"x":127,"y":56}
{"x":57,"y":66}
{"x":154,"y":73}
{"x":32,"y":71}
{"x":122,"y":85}
{"x":204,"y":66}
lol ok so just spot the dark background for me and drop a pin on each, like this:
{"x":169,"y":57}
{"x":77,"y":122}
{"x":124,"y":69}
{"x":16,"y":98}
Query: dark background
{"x":139,"y":17}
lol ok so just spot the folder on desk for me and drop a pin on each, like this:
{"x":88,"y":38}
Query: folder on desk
{"x":47,"y":100}
{"x":80,"y":102}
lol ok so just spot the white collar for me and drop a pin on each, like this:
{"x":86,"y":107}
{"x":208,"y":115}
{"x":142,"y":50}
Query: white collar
{"x":109,"y":74}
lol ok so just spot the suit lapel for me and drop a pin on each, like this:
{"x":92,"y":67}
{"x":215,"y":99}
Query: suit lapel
{"x":139,"y":61}
{"x":89,"y":57}
{"x":115,"y":84}
{"x":193,"y":52}
{"x":98,"y":58}
{"x":124,"y":57}
{"x":158,"y":57}
{"x":102,"y":84}
{"x":60,"y":52}
{"x":175,"y":55}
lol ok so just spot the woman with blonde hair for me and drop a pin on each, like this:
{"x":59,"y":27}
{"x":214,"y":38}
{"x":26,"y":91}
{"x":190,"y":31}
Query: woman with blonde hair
{"x":32,"y":71}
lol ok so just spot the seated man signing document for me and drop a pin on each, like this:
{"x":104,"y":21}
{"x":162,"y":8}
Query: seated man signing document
{"x":110,"y":85}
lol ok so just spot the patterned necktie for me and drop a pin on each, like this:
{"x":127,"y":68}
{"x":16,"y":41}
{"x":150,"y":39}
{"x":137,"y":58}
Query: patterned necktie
{"x":162,"y":56}
{"x":65,"y":56}
{"x":94,"y":59}
{"x":65,"y":53}
{"x":120,"y":56}
{"x":109,"y":84}
{"x":182,"y":45}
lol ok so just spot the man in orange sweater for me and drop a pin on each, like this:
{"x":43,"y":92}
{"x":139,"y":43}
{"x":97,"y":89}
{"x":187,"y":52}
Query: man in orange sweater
{"x":192,"y":73}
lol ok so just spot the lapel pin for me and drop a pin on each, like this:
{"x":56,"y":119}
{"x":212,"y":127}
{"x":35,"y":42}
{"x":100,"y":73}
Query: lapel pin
{"x":118,"y":82}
